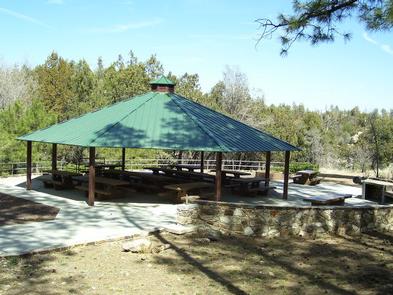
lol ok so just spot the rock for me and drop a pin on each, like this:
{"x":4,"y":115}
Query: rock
{"x":160,"y":248}
{"x":225,"y":219}
{"x":202,"y":240}
{"x":137,"y":246}
{"x":271,"y":274}
{"x":179,"y":229}
{"x":238,"y":212}
{"x":248,"y":231}
{"x":214,"y":236}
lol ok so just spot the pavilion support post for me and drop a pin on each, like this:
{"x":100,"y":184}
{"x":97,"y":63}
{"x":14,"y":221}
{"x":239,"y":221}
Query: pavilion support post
{"x":286,"y":175}
{"x":180,"y":157}
{"x":123,"y":159}
{"x":202,"y":162}
{"x":28,"y":166}
{"x":267,"y":167}
{"x":218,"y":176}
{"x":54,"y":156}
{"x":92,"y":176}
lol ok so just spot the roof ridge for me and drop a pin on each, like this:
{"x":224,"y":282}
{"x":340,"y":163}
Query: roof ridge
{"x":237,"y":121}
{"x":128,"y":114}
{"x":197,"y":123}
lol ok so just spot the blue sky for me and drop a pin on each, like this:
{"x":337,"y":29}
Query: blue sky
{"x":203,"y":36}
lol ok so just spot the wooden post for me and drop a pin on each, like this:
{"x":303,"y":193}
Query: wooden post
{"x":218,"y":175}
{"x":202,"y":162}
{"x":123,"y":159}
{"x":54,"y":156}
{"x":92,"y":176}
{"x":267,"y":168}
{"x":286,"y":175}
{"x":28,"y":166}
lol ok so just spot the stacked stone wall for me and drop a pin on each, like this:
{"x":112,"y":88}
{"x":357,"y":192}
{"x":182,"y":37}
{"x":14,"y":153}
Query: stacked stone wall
{"x":272,"y":221}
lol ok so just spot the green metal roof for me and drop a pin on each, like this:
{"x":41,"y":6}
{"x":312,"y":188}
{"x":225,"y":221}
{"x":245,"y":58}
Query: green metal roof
{"x":162,"y":81}
{"x":160,"y":120}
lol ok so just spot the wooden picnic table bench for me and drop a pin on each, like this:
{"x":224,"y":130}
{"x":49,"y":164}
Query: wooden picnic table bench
{"x":375,"y":189}
{"x":157,"y":170}
{"x":309,"y":177}
{"x":189,"y":167}
{"x":49,"y":182}
{"x":59,"y":179}
{"x":250,"y":185}
{"x":102,"y":167}
{"x":327,"y":200}
{"x":235,"y":173}
{"x":188,"y":175}
{"x":104,"y":187}
{"x":183,"y":189}
{"x":141,"y":180}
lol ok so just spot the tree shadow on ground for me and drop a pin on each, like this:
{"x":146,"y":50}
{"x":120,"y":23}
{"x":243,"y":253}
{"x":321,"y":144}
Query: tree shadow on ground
{"x":32,"y":275}
{"x":293,"y":265}
{"x":201,"y":267}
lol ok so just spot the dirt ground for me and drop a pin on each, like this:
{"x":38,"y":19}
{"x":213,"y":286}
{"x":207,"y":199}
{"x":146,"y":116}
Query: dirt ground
{"x":17,"y":210}
{"x":328,"y":265}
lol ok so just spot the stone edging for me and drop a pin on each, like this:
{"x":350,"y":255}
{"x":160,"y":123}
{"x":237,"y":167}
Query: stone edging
{"x":271,"y":220}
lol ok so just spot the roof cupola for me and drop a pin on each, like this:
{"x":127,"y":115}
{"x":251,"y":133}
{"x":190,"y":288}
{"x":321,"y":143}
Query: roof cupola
{"x":162,"y":84}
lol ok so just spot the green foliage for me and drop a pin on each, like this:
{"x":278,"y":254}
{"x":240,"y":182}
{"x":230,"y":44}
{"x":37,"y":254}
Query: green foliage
{"x":318,"y":21}
{"x":54,"y":79}
{"x":18,"y":119}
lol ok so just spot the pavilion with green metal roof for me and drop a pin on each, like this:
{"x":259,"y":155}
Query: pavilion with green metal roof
{"x":159,"y":119}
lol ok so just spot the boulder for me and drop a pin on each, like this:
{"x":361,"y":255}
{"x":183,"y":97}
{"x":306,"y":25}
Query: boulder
{"x":248,"y":231}
{"x":137,"y":246}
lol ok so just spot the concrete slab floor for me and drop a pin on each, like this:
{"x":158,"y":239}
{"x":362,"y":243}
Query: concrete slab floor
{"x":77,"y":223}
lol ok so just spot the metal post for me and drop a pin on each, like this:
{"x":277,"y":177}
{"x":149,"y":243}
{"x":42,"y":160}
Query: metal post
{"x":28,"y":166}
{"x":123,"y":159}
{"x":54,"y":156}
{"x":286,"y":175}
{"x":267,"y":168}
{"x":202,"y":162}
{"x":218,"y":176}
{"x":92,"y":176}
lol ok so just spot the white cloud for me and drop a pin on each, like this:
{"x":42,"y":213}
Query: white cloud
{"x":56,"y":2}
{"x":120,"y":28}
{"x":369,"y":39}
{"x":387,"y":48}
{"x":22,"y":17}
{"x":384,"y":47}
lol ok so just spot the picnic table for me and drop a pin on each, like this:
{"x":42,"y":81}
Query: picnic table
{"x":188,"y":175}
{"x":371,"y":187}
{"x":236,"y":174}
{"x":309,"y":177}
{"x":250,"y":185}
{"x":141,"y":180}
{"x":59,"y":179}
{"x":157,"y":170}
{"x":104,"y":187}
{"x":189,"y":167}
{"x":183,"y":189}
{"x":198,"y":176}
{"x":101,"y":167}
{"x":327,"y":199}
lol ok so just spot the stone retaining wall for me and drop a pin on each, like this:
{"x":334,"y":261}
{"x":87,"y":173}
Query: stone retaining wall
{"x":272,"y":221}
